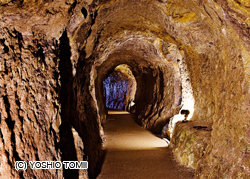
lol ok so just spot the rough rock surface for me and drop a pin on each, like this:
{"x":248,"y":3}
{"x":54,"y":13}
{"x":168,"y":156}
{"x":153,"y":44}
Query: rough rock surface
{"x":191,"y":143}
{"x":30,"y":104}
{"x":54,"y":56}
{"x":35,"y":80}
{"x":158,"y":94}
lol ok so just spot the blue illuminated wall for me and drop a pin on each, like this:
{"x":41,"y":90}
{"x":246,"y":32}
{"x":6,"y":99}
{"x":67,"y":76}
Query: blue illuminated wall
{"x":117,"y":92}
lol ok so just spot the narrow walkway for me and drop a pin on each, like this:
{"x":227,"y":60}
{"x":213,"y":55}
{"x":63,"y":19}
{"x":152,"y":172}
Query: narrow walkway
{"x":135,"y":153}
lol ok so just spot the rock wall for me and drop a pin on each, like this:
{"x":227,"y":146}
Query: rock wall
{"x":36,"y":89}
{"x":219,"y":76}
{"x":30,"y":104}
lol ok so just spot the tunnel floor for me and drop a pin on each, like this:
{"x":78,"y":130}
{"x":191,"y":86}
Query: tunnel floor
{"x":135,"y":153}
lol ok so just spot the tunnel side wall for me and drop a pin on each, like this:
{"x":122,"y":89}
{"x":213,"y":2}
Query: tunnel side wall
{"x":35,"y":64}
{"x":30,"y":104}
{"x":119,"y":89}
{"x":217,"y":64}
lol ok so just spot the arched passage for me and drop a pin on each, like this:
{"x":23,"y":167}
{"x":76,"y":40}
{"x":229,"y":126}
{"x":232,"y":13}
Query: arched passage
{"x":158,"y":94}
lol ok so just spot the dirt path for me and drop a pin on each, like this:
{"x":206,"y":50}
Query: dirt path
{"x":135,"y":153}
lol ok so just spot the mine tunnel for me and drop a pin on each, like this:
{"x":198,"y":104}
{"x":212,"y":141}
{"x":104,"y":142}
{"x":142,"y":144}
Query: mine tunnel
{"x":134,"y":89}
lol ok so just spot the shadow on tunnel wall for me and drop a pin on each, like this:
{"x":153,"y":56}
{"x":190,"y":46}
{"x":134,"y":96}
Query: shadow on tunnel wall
{"x":78,"y":112}
{"x":66,"y":144}
{"x":86,"y":120}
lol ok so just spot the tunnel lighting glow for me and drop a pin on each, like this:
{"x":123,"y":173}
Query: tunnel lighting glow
{"x":189,"y":105}
{"x":167,"y":141}
{"x":187,"y":91}
{"x":136,"y":141}
{"x":118,"y":112}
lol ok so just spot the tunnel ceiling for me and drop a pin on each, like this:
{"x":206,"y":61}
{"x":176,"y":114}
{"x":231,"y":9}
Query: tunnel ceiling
{"x":122,"y":20}
{"x":54,"y":56}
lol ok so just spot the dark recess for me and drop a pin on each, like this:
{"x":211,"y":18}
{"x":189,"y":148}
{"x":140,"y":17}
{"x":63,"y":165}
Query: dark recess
{"x":66,"y":144}
{"x":84,"y":12}
{"x":205,"y":128}
{"x":11,"y":125}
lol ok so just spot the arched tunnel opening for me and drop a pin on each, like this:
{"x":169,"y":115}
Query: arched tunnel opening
{"x":120,"y":88}
{"x":179,"y":68}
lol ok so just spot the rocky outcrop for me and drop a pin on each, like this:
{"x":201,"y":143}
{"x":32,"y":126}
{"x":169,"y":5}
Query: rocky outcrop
{"x":191,"y":144}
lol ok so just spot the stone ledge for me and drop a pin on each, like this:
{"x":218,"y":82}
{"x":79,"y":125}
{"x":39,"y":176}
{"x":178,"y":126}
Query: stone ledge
{"x":191,"y":143}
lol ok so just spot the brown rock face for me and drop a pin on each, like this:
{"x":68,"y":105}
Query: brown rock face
{"x":54,"y":57}
{"x":30,"y":105}
{"x":36,"y":93}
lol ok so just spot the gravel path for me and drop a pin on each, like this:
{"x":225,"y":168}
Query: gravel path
{"x":135,"y":153}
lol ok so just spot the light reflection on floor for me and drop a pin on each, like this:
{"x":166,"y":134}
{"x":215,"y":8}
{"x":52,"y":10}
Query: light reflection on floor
{"x":117,"y":112}
{"x":124,"y":134}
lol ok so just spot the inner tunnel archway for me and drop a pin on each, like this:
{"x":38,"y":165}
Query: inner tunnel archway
{"x":120,"y":88}
{"x":159,"y":84}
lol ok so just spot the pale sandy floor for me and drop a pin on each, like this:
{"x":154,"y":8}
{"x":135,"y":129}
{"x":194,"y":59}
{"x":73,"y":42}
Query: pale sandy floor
{"x":135,"y":153}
